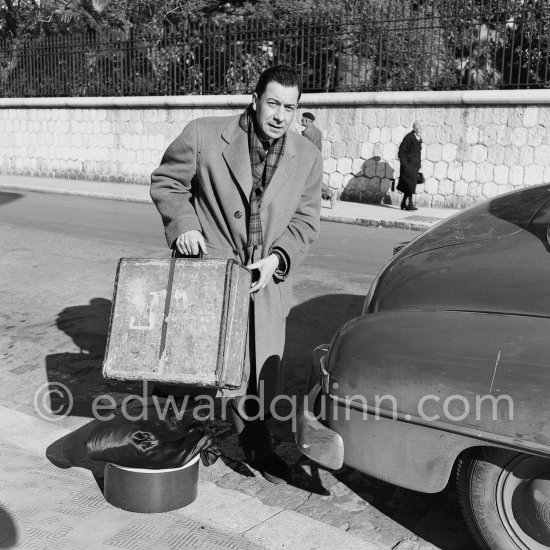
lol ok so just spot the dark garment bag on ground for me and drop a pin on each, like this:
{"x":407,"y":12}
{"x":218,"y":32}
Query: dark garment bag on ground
{"x":147,"y":437}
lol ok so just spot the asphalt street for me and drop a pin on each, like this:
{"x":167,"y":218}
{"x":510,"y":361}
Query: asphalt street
{"x":59,"y":256}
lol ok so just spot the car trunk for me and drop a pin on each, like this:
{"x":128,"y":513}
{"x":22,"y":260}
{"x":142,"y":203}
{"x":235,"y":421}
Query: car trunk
{"x":492,"y":258}
{"x":496,"y":218}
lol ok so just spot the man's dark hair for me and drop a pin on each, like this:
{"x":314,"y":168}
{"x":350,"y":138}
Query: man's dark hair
{"x":311,"y":116}
{"x":283,"y":75}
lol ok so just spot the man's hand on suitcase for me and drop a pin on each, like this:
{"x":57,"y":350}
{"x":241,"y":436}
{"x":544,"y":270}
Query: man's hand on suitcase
{"x":266,"y":267}
{"x":191,"y":243}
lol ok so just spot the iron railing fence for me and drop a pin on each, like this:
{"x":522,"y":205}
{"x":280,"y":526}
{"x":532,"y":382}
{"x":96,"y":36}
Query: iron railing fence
{"x":400,"y":45}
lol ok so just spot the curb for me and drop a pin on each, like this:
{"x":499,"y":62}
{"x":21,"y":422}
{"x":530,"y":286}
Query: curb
{"x":76,"y":193}
{"x":365,"y":222}
{"x":369,"y":222}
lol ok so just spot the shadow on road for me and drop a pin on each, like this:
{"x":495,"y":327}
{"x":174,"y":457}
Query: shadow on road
{"x":6,"y":198}
{"x":309,"y":325}
{"x":80,"y":373}
{"x":436,"y":518}
{"x":8,"y":531}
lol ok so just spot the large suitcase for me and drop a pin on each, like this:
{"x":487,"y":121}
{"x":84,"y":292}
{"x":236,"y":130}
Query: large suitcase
{"x":180,"y":321}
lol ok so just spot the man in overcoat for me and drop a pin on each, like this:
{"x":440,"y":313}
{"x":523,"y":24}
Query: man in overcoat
{"x":245,"y":187}
{"x":311,"y":131}
{"x":315,"y":135}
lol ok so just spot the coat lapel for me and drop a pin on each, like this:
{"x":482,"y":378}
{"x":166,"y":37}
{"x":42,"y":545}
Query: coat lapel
{"x":283,"y":174}
{"x":237,"y":157}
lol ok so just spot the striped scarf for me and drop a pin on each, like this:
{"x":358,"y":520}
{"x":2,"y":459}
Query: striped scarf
{"x":263,"y":162}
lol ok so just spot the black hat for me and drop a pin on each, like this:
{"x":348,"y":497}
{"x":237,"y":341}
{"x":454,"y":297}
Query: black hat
{"x":311,"y":116}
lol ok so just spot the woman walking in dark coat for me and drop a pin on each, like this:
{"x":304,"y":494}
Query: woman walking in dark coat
{"x":409,"y":157}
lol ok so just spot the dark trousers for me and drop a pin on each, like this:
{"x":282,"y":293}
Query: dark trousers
{"x":243,"y":413}
{"x":407,"y":197}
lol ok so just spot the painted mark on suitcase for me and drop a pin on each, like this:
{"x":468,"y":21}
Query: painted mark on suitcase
{"x":152,"y":316}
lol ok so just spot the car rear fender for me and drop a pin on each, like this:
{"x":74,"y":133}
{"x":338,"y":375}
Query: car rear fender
{"x":476,"y":375}
{"x":404,"y":454}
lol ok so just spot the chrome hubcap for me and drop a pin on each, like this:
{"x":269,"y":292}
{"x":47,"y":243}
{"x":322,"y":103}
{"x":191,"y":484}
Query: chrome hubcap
{"x":523,"y":500}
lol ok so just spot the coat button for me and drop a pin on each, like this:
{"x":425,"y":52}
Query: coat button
{"x":238,"y":214}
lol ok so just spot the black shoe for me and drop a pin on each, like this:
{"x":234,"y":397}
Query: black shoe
{"x":412,"y":207}
{"x":271,"y":466}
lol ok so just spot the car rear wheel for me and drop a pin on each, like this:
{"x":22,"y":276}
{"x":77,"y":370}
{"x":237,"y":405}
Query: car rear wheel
{"x":505,"y":499}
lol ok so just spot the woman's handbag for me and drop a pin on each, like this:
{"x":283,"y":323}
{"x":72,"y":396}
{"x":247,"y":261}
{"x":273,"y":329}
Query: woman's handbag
{"x":420,"y":178}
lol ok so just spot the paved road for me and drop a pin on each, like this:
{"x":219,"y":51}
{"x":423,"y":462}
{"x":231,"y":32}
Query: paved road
{"x":59,"y":257}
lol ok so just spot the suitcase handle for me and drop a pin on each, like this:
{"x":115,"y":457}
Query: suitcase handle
{"x":176,"y":254}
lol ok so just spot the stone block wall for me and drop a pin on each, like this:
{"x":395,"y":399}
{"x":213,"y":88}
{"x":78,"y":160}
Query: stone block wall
{"x":475,"y":144}
{"x":470,"y":152}
{"x":97,"y":143}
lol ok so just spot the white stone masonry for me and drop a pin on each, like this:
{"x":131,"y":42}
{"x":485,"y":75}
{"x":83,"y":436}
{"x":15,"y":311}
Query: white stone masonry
{"x":475,"y":144}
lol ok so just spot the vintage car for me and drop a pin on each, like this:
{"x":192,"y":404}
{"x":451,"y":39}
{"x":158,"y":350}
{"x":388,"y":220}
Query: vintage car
{"x":447,"y":371}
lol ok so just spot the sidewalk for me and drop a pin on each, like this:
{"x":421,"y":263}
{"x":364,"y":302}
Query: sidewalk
{"x":45,"y":506}
{"x":377,"y":215}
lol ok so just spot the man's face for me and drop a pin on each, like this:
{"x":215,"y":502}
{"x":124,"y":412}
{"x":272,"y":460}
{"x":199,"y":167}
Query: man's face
{"x":275,"y":110}
{"x":306,"y":121}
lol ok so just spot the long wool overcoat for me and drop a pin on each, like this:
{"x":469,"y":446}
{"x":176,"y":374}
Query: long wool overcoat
{"x":409,"y":157}
{"x":204,"y":182}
